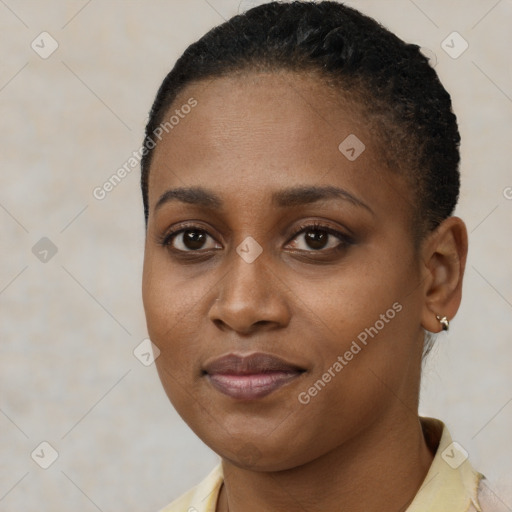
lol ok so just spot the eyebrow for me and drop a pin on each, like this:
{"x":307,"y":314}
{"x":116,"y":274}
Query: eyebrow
{"x":286,"y":198}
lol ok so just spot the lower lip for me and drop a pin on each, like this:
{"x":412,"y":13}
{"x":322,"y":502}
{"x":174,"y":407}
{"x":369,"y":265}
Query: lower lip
{"x":251,"y":387}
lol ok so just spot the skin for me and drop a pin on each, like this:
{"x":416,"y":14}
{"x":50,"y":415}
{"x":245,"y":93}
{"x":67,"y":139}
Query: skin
{"x":358,"y":442}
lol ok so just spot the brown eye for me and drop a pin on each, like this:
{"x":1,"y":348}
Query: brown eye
{"x":193,"y":240}
{"x":188,"y":240}
{"x":317,"y":237}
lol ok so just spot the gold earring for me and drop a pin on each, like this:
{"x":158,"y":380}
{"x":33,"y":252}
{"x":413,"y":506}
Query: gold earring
{"x":445,"y":324}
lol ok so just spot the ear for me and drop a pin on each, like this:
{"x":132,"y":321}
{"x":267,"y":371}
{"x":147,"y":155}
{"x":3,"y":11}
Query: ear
{"x":444,"y":255}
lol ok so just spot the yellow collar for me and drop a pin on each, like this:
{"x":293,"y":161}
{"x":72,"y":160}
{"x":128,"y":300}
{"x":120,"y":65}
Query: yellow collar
{"x":451,"y":484}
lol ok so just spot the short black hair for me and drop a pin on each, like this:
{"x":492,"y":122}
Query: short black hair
{"x":393,"y":83}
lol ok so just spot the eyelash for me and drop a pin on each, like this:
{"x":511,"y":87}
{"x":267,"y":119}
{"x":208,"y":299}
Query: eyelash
{"x":166,"y":239}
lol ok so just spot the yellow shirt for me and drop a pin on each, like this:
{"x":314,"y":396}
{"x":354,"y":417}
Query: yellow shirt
{"x":451,"y":484}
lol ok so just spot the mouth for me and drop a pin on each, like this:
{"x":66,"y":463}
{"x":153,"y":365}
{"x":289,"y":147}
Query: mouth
{"x":251,"y":376}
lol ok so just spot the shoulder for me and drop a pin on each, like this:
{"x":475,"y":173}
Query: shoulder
{"x":494,"y":496}
{"x":202,"y":497}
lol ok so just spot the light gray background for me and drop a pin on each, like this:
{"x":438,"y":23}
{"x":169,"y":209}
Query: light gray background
{"x":69,"y":326}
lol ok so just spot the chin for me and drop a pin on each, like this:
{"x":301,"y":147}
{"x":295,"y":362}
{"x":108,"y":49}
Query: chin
{"x":254,"y":452}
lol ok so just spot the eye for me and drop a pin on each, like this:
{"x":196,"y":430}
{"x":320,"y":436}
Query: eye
{"x":318,"y":237}
{"x":315,"y":238}
{"x":188,"y":239}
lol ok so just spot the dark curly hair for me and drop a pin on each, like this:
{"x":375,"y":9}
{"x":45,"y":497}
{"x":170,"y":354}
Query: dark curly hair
{"x":392,"y":83}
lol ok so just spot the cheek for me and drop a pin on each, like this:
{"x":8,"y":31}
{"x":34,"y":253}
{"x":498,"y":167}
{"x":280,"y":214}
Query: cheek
{"x":367,"y":322}
{"x":347,"y":302}
{"x":165,"y":310}
{"x":169,"y":310}
{"x":175,"y":305}
{"x":166,"y":298}
{"x":361,"y":375}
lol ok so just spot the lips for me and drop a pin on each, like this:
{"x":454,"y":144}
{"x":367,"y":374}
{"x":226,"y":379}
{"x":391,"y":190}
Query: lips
{"x":250,"y":377}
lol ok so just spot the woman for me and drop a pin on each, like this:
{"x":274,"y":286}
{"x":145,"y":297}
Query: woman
{"x":299,"y":176}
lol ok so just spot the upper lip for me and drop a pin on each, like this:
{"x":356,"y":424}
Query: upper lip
{"x":249,"y":364}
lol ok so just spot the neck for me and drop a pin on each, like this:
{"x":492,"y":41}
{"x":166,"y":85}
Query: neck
{"x":380,"y":469}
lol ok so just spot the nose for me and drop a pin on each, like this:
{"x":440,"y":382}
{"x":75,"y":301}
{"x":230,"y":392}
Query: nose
{"x":250,"y":297}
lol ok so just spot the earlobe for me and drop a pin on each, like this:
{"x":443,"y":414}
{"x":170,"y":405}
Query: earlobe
{"x":444,"y":259}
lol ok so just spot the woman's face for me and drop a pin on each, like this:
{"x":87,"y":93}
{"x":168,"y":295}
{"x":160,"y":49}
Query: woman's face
{"x":289,"y":246}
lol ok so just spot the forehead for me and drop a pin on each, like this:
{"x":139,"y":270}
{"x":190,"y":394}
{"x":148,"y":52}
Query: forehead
{"x":262,"y":130}
{"x":251,"y":108}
